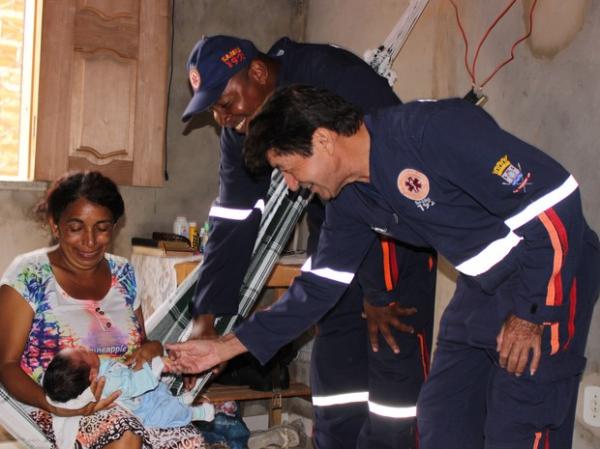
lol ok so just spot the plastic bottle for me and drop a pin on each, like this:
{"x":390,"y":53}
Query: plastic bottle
{"x":194,"y":234}
{"x":204,"y":236}
{"x":180,"y":226}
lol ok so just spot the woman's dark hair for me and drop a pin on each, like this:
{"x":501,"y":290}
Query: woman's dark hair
{"x":65,"y":378}
{"x":90,"y":185}
{"x":287,"y":120}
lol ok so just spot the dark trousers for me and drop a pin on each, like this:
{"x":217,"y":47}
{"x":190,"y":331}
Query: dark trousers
{"x":338,"y":374}
{"x":366,"y":392}
{"x":469,"y":402}
{"x":395,"y":381}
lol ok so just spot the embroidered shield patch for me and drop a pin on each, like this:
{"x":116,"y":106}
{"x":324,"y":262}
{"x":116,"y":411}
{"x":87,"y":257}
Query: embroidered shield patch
{"x":413,"y":184}
{"x":512,"y":174}
{"x":194,"y":78}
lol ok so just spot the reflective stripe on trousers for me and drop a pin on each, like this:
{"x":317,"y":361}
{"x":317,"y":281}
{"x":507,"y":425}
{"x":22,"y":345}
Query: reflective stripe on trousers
{"x":388,"y":411}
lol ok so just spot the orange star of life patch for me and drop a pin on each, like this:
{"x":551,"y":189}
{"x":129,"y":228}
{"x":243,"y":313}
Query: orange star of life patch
{"x":413,"y":184}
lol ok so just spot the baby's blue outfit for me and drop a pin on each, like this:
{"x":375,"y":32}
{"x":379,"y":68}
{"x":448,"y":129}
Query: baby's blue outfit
{"x":144,"y":395}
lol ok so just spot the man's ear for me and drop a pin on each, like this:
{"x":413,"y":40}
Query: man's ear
{"x":323,"y":140}
{"x":258,"y":71}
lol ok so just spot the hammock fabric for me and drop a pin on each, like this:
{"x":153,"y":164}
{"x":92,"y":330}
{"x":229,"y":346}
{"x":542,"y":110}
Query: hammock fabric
{"x":172,"y":320}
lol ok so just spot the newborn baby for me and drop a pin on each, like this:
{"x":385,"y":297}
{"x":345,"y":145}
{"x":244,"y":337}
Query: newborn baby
{"x":71,"y":372}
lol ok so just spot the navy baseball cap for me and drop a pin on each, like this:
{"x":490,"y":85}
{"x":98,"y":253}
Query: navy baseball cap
{"x":212,"y":62}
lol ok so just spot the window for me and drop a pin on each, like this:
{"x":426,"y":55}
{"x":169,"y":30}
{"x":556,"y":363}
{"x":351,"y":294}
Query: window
{"x":19,"y":44}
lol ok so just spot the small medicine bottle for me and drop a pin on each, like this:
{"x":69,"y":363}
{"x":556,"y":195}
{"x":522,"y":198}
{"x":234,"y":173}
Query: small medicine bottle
{"x":194,"y":235}
{"x":180,"y":226}
{"x":204,"y":236}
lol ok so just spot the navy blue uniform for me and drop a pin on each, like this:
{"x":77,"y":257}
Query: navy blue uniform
{"x":339,"y":368}
{"x":509,"y":218}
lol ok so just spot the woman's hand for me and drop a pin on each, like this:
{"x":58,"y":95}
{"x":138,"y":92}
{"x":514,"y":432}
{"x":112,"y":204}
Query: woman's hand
{"x":92,"y":407}
{"x":144,"y":354}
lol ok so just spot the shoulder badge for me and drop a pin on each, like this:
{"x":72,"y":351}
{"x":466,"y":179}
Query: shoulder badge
{"x":512,"y":174}
{"x":413,"y":184}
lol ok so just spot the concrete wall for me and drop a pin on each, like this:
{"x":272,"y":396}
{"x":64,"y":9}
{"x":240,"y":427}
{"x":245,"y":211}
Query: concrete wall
{"x":548,"y":95}
{"x":193,"y":152}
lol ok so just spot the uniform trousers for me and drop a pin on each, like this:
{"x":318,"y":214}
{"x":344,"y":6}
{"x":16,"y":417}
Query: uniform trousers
{"x":363,"y":399}
{"x":470,"y":402}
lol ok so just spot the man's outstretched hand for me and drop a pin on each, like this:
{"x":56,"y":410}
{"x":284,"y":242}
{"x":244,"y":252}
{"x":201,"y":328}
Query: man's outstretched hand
{"x":203,"y":329}
{"x":197,"y":356}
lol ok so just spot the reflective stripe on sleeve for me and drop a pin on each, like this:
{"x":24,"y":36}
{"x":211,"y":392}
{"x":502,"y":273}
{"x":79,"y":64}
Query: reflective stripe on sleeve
{"x":344,"y":277}
{"x":340,"y":399}
{"x":542,"y":204}
{"x":260,"y":205}
{"x":235,"y":214}
{"x":391,"y":411}
{"x":499,"y":249}
{"x":490,"y":256}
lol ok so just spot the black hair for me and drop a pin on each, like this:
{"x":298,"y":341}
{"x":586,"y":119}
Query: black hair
{"x":287,"y":120}
{"x":65,"y":378}
{"x":90,"y":185}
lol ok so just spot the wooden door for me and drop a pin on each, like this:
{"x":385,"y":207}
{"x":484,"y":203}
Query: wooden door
{"x":103,"y":89}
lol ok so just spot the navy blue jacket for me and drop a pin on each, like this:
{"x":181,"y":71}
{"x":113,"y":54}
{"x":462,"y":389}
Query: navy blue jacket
{"x":443,"y":174}
{"x":235,"y":218}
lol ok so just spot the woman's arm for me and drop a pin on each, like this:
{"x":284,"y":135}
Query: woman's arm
{"x":15,"y":323}
{"x":147,"y":350}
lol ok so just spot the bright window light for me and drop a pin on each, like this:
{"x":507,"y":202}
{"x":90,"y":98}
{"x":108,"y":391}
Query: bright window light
{"x":18,"y":84}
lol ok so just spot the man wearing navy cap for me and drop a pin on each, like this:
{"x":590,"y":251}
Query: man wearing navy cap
{"x":361,"y":398}
{"x":511,"y":343}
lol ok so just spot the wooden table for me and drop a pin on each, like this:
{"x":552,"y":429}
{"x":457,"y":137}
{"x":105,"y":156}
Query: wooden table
{"x":281,"y":278}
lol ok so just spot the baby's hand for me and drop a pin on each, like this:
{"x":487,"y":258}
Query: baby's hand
{"x":144,"y":354}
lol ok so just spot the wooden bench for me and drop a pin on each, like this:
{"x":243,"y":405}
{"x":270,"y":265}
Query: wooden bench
{"x":223,"y":393}
{"x":280,"y":279}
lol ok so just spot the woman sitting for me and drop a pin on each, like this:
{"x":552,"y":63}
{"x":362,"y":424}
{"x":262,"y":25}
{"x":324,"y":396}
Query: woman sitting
{"x":76,"y":294}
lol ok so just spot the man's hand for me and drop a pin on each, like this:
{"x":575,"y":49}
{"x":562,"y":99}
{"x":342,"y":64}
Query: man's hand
{"x":380,"y":319}
{"x":197,"y":356}
{"x":516,"y":340}
{"x":203,"y":329}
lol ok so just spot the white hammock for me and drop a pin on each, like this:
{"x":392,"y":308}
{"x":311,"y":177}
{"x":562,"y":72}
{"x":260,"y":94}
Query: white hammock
{"x":382,"y":57}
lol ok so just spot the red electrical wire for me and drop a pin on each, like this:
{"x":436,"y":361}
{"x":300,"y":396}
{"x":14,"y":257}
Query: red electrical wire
{"x":471,"y":70}
{"x":487,"y":33}
{"x":464,"y":36}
